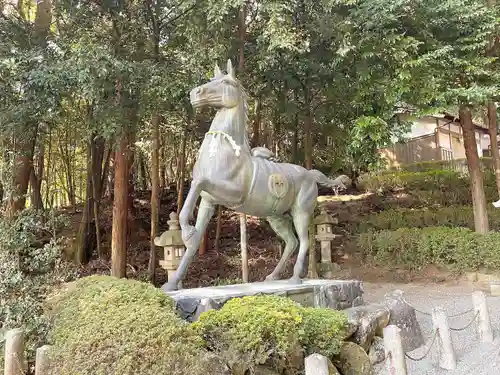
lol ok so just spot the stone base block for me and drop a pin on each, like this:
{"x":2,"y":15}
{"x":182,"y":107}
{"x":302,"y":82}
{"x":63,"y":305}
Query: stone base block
{"x":334,"y":294}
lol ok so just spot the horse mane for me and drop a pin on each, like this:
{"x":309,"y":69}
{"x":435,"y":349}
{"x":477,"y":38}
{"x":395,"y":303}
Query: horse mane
{"x":244,"y":99}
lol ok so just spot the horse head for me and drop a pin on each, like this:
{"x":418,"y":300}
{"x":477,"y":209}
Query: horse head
{"x":223,"y":90}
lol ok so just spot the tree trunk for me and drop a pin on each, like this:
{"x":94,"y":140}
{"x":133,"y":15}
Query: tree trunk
{"x":492,"y":124}
{"x":36,"y":177}
{"x":83,"y":246}
{"x":142,"y":174}
{"x":203,"y":244}
{"x":23,"y":164}
{"x":256,"y":123}
{"x":120,"y":208}
{"x":475,"y":172}
{"x":155,"y":195}
{"x":163,"y":167}
{"x":97,"y":147}
{"x":36,"y":193}
{"x":308,"y":139}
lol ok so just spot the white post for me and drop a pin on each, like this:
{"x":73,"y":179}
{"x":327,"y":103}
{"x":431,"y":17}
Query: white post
{"x":483,"y":317}
{"x":244,"y":248}
{"x":204,"y":306}
{"x":14,"y":352}
{"x":42,"y":360}
{"x":394,"y":353}
{"x":447,"y":358}
{"x":316,"y":364}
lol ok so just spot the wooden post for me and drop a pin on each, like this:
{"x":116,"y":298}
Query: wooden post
{"x":42,"y":360}
{"x":312,"y":271}
{"x":14,"y":352}
{"x":483,"y":317}
{"x":447,"y":358}
{"x":396,"y":361}
{"x":244,"y":248}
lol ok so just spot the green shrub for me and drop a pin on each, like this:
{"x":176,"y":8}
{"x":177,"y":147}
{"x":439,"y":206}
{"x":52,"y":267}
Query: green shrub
{"x":30,"y":267}
{"x":103,"y":325}
{"x":269,"y":329}
{"x":451,"y":216}
{"x":323,"y":331}
{"x":442,"y":187}
{"x":408,"y":181}
{"x":457,"y":164}
{"x":460,"y":249}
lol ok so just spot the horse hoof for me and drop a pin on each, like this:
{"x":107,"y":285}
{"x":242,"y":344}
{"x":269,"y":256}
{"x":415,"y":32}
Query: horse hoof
{"x":295,"y":280}
{"x":170,"y":287}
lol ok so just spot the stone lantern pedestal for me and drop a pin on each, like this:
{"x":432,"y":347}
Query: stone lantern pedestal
{"x":324,"y":235}
{"x":173,"y":246}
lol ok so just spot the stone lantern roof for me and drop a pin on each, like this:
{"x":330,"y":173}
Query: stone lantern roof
{"x":325,"y":218}
{"x":173,"y":236}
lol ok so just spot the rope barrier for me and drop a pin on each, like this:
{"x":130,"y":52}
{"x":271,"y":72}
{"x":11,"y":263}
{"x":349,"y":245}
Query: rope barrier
{"x":396,"y":357}
{"x":467,"y":326}
{"x":433,"y":339}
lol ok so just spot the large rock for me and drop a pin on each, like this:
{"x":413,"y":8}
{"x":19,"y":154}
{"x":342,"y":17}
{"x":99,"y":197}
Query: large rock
{"x":353,"y":360}
{"x":316,"y":364}
{"x":370,"y":321}
{"x":404,"y":317}
{"x":377,"y":351}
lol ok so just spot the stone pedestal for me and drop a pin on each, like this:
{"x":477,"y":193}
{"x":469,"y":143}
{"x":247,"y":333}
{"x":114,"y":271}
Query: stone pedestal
{"x":334,"y":294}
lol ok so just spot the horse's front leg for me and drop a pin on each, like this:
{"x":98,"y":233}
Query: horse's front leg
{"x":188,"y":231}
{"x":205,"y":213}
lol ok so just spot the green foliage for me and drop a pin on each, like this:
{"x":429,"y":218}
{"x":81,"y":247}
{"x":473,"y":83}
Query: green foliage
{"x":428,"y":166}
{"x":438,"y":186}
{"x":29,"y":270}
{"x":448,"y":216}
{"x":262,"y":329}
{"x":460,"y":249}
{"x":324,"y":330}
{"x":104,"y":325}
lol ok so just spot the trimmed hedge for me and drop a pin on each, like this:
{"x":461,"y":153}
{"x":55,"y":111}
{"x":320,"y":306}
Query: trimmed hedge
{"x":451,"y":216}
{"x":460,"y":249}
{"x":269,"y":329}
{"x":427,"y":166}
{"x":103,"y":325}
{"x":444,"y":187}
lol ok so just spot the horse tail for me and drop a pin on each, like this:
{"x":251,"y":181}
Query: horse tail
{"x":339,"y":183}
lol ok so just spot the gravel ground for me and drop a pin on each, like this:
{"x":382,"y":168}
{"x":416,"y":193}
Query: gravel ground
{"x":473,"y":357}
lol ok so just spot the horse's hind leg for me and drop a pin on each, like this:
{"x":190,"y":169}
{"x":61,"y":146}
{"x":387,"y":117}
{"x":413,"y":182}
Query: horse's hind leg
{"x":205,"y":213}
{"x":302,"y":212}
{"x":301,"y":222}
{"x":283,"y":227}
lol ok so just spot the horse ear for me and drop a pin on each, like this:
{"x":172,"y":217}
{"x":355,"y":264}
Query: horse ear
{"x":230,"y":70}
{"x":217,"y":72}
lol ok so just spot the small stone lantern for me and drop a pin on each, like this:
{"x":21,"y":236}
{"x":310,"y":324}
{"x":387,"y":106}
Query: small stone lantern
{"x":324,"y":234}
{"x":173,"y":246}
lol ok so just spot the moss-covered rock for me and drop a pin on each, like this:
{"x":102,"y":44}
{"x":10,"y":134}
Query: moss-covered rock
{"x":353,"y":360}
{"x":103,"y":325}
